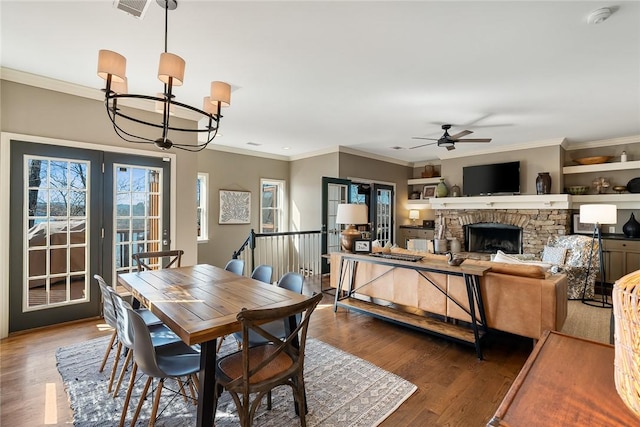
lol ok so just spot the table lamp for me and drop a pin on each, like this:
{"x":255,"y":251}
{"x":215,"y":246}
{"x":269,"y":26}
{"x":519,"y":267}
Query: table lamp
{"x":351,"y":214}
{"x":597,"y":214}
{"x":413,"y":215}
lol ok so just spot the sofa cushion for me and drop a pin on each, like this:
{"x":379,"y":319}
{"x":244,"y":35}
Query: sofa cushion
{"x":521,"y":270}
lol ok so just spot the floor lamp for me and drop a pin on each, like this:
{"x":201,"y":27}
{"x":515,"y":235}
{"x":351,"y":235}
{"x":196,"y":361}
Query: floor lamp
{"x":597,"y":214}
{"x":351,"y":214}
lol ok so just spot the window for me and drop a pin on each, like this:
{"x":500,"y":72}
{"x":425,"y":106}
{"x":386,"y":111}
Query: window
{"x":271,"y":206}
{"x":202,"y":189}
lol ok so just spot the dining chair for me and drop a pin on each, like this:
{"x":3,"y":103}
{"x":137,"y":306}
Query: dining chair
{"x":259,"y":369}
{"x":161,"y":336}
{"x":109,"y":314}
{"x":262,"y":273}
{"x":155,"y":260}
{"x":235,"y":266}
{"x":174,"y":361}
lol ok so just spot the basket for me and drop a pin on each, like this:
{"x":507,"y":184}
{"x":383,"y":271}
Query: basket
{"x":626,"y":311}
{"x":428,"y":171}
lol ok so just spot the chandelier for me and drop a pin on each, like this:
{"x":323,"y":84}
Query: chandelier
{"x":112,"y":68}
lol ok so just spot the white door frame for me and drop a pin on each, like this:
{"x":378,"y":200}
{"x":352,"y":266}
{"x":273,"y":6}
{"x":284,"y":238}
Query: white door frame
{"x":5,"y":176}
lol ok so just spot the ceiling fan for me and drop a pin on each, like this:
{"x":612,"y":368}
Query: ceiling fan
{"x":449,"y":141}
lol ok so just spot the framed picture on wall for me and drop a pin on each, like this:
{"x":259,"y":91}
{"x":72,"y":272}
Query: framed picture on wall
{"x":581,"y":227}
{"x":428,"y":191}
{"x":235,"y":207}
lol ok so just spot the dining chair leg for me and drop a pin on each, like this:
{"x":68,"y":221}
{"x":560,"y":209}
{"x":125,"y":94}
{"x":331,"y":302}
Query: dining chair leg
{"x":192,"y":390}
{"x":182,"y":391}
{"x":196,"y":382}
{"x":220,"y":343}
{"x":141,"y":402}
{"x":127,"y":398}
{"x":122,"y":371}
{"x":114,"y":369}
{"x":156,"y":403}
{"x":108,"y":351}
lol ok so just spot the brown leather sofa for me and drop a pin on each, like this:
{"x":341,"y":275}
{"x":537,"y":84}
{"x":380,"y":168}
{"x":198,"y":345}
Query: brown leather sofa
{"x":520,"y":299}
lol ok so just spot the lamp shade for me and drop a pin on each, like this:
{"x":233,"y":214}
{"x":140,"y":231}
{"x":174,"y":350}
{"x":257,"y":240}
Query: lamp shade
{"x":171,"y":66}
{"x":221,"y":92}
{"x":414,"y":214}
{"x":110,"y":62}
{"x":598,"y":214}
{"x":351,"y":213}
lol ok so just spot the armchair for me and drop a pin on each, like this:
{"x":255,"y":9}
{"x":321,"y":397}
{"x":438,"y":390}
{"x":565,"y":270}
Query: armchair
{"x":576,"y":263}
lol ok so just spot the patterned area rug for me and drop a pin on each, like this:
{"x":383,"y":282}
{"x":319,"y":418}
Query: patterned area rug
{"x":342,"y":390}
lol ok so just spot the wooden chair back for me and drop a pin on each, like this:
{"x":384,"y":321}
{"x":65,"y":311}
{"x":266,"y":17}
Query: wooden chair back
{"x":159,"y":259}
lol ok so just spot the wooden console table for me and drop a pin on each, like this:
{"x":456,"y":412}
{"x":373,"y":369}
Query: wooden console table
{"x":567,"y":381}
{"x":471,"y":274}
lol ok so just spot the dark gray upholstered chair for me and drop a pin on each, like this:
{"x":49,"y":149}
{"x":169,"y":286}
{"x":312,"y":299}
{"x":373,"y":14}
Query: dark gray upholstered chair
{"x":235,"y":266}
{"x":262,"y":273}
{"x":176,"y":361}
{"x":258,"y":369}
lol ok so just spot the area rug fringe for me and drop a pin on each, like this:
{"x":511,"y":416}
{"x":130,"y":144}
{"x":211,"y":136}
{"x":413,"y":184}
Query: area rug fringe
{"x":342,"y":390}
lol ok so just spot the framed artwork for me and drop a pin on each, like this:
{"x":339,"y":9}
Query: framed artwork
{"x":428,"y":191}
{"x":581,"y":227}
{"x":235,"y":207}
{"x":361,"y":246}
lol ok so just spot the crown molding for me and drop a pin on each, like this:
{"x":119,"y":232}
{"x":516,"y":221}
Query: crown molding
{"x":224,"y":148}
{"x":633,"y":139}
{"x":55,"y":85}
{"x":348,"y":150}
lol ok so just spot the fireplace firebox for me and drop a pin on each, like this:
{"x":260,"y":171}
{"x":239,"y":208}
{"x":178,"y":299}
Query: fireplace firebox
{"x":491,"y":237}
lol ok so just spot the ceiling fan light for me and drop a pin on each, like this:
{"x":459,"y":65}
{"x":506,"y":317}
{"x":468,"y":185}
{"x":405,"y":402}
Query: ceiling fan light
{"x":221,"y":92}
{"x":110,"y":62}
{"x":171,"y":66}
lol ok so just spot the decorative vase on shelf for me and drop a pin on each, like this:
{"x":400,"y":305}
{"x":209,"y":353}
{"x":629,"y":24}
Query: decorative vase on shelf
{"x":543,"y":183}
{"x":441,"y":189}
{"x":632,"y":227}
{"x":455,"y":191}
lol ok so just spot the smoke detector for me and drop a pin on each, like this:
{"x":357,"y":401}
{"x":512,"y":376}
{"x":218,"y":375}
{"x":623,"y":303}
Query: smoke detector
{"x":599,"y":15}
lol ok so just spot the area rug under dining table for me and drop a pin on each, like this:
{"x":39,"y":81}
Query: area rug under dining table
{"x":342,"y":390}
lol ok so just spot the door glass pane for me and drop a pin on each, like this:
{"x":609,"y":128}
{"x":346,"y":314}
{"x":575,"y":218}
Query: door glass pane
{"x":337,"y":193}
{"x":384,"y":216}
{"x":138,"y":223}
{"x":55,"y":224}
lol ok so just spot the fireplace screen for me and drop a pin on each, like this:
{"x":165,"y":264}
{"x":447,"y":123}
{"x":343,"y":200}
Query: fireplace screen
{"x":491,"y":237}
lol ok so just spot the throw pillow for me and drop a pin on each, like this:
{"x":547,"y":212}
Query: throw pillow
{"x":554,"y":255}
{"x":507,"y":259}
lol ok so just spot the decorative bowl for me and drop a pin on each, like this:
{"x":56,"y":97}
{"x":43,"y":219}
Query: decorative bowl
{"x":577,"y":189}
{"x":619,"y":189}
{"x":593,"y":160}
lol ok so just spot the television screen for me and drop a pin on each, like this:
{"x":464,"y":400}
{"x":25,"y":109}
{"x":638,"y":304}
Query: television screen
{"x":497,"y":178}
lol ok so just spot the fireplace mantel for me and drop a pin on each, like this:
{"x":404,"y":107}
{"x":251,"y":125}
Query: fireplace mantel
{"x":545,"y":201}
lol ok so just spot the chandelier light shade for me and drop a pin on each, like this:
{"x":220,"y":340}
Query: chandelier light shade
{"x":112,"y":68}
{"x":351,"y":214}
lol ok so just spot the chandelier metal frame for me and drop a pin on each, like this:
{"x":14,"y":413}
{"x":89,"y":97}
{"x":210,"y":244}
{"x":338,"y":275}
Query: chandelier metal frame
{"x":116,"y":89}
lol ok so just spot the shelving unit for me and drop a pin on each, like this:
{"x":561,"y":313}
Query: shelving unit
{"x":602,"y":167}
{"x":424,"y":181}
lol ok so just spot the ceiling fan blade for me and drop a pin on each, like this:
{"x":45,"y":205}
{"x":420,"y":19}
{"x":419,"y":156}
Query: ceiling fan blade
{"x":423,"y":145}
{"x":422,"y":137}
{"x":474,"y":140}
{"x":460,"y":134}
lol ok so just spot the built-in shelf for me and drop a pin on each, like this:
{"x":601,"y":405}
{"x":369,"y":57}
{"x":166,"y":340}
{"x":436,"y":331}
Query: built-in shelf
{"x":602,"y":167}
{"x":424,"y":181}
{"x":622,"y":201}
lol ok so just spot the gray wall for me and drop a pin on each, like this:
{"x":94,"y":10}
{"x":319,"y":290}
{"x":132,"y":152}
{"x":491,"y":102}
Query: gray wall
{"x":229,"y":171}
{"x":306,"y":190}
{"x":39,"y":112}
{"x":532,"y":161}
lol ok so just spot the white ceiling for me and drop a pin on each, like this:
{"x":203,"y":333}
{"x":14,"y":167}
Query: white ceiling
{"x":365,"y":75}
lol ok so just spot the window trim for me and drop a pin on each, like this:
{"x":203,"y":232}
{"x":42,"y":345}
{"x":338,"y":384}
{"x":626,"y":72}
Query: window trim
{"x":203,"y":206}
{"x":280,"y":207}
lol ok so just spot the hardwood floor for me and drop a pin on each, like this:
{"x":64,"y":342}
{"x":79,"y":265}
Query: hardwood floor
{"x":454,"y":387}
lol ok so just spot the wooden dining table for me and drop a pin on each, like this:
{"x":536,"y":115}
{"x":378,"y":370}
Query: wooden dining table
{"x":200,"y":304}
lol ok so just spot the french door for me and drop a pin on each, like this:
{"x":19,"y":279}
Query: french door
{"x":67,"y":221}
{"x":334,"y":192}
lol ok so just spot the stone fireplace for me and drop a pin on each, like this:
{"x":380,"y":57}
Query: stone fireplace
{"x":533,"y":227}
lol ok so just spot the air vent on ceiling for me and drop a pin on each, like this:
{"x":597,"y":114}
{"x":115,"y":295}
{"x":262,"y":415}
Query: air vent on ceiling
{"x":136,"y":8}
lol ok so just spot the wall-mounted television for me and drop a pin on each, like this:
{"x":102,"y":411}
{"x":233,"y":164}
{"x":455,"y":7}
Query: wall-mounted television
{"x":493,"y":179}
